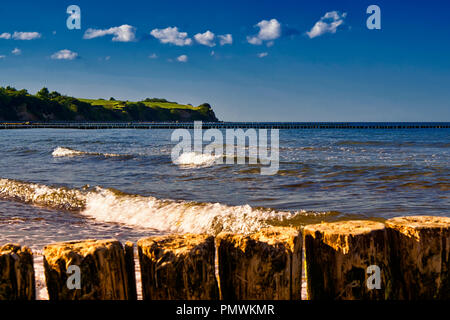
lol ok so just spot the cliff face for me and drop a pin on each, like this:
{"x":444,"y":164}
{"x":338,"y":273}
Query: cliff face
{"x":20,"y":106}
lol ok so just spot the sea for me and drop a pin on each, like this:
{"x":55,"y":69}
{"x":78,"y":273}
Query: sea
{"x":66,"y":184}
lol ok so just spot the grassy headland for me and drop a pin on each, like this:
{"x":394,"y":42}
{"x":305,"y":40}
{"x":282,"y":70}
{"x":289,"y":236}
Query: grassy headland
{"x":19,"y":105}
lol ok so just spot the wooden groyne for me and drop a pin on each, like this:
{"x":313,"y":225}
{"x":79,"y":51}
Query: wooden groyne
{"x":178,"y":267}
{"x":16,"y":273}
{"x":404,"y":258}
{"x":338,"y":256}
{"x":224,"y":125}
{"x":102,"y":268}
{"x":261,"y":266}
{"x":421,"y":256}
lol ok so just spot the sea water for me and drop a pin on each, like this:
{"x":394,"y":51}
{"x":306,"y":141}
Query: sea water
{"x":59,"y":185}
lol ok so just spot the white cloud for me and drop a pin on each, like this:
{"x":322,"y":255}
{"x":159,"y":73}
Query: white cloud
{"x":206,"y":39}
{"x":26,"y":35}
{"x":124,"y":33}
{"x":182,"y":58}
{"x":262,"y":54}
{"x":268,"y":31}
{"x":5,"y":35}
{"x":64,"y":55}
{"x":153,"y":56}
{"x":225,"y":39}
{"x":327,"y":24}
{"x":2,"y":56}
{"x":172,"y":35}
{"x":16,"y":51}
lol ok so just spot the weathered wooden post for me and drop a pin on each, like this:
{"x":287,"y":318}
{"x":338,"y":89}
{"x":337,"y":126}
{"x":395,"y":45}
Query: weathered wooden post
{"x":339,"y":257}
{"x":16,"y":273}
{"x":102,"y":265}
{"x":178,"y":267}
{"x":421,"y":257}
{"x":265,"y":265}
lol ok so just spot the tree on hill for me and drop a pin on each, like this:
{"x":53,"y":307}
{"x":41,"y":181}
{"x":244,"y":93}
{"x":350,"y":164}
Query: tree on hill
{"x":53,"y":106}
{"x":43,"y":93}
{"x":157,"y":100}
{"x":54,"y":94}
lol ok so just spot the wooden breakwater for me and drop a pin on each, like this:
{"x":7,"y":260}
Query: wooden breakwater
{"x":224,"y":125}
{"x":405,"y":258}
{"x":103,"y":265}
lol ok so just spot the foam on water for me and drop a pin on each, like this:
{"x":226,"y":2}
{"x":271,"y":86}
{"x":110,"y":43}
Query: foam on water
{"x":61,"y":152}
{"x":191,"y":160}
{"x":176,"y":216}
{"x":111,"y":206}
{"x":194,"y":159}
{"x":42,"y":195}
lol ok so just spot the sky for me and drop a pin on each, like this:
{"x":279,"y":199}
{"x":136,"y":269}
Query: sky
{"x":252,"y":60}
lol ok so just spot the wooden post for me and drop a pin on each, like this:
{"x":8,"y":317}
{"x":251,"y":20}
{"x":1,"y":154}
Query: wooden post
{"x":338,"y":256}
{"x":261,"y":266}
{"x":421,"y":257}
{"x":103,"y":270}
{"x":178,"y":267}
{"x":16,"y":273}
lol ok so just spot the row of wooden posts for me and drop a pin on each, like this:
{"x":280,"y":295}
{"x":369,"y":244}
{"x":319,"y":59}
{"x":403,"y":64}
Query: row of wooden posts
{"x":402,"y":258}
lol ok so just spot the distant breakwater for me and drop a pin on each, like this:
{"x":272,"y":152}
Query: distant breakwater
{"x":225,"y":125}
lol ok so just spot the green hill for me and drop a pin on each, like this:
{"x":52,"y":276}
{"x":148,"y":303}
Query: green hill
{"x":19,"y":105}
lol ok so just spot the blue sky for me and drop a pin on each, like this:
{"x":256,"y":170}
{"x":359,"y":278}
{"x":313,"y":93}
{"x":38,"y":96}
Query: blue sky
{"x":277,"y":68}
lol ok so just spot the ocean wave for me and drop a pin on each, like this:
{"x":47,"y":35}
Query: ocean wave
{"x":199,"y":160}
{"x":194,"y":159}
{"x":112,"y":206}
{"x":61,"y":152}
{"x":42,"y":195}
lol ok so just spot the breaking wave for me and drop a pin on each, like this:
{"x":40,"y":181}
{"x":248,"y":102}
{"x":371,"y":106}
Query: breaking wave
{"x":109,"y":205}
{"x":200,"y":160}
{"x":61,"y":152}
{"x":194,"y":159}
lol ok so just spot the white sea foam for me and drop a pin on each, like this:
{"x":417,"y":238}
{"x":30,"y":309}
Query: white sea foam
{"x":66,"y":152}
{"x":200,"y":160}
{"x":194,"y":159}
{"x":42,"y":195}
{"x":106,"y":205}
{"x":176,"y":216}
{"x":61,"y":152}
